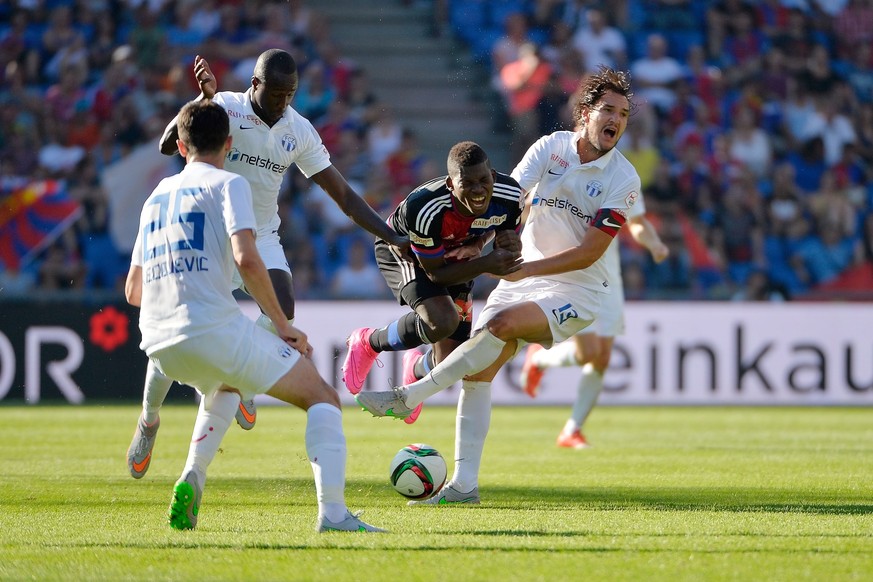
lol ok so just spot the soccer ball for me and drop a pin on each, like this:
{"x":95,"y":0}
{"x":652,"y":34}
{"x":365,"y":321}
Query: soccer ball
{"x":417,"y":471}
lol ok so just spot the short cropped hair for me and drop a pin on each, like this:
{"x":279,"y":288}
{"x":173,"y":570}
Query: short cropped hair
{"x":594,"y":86}
{"x":463,"y":154}
{"x":203,"y":126}
{"x":274,"y":63}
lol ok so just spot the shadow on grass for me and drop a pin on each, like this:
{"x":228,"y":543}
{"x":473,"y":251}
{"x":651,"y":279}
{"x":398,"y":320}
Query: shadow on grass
{"x":298,"y":491}
{"x":679,"y":499}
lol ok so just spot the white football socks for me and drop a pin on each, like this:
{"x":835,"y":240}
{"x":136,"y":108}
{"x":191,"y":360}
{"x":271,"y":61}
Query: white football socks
{"x":326,"y":448}
{"x":472,"y":356}
{"x":561,"y":355}
{"x":590,"y":386}
{"x":213,"y":419}
{"x":471,"y":428}
{"x":156,"y":387}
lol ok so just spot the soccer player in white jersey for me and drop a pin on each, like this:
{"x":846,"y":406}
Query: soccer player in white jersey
{"x":195,"y":228}
{"x":591,"y":348}
{"x":268,"y":137}
{"x":582,"y":189}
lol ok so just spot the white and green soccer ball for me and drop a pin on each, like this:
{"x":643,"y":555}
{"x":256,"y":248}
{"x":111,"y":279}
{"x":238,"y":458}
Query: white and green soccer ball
{"x":417,"y":471}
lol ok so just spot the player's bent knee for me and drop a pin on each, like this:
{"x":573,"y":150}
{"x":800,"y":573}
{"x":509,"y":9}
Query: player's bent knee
{"x":503,"y":327}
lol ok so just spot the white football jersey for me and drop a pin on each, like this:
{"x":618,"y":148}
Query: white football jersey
{"x":612,"y":256}
{"x":183,"y":247}
{"x":262,"y":154}
{"x":567,"y":196}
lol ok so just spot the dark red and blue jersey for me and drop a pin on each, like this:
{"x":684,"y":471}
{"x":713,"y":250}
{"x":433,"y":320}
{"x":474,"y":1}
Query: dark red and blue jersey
{"x":430,"y":218}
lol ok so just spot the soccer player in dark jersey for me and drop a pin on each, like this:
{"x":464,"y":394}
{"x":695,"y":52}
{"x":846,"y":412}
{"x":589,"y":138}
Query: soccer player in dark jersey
{"x":448,"y":220}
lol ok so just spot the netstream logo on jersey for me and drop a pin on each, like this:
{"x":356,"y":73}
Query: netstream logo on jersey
{"x":486,"y":222}
{"x":237,"y":156}
{"x":562,"y":204}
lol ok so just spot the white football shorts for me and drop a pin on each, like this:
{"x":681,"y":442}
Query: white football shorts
{"x":610,"y":316}
{"x":569,"y":308}
{"x":272,"y":254}
{"x":239,"y":354}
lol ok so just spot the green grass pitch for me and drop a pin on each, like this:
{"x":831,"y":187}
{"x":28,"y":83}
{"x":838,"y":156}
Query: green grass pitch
{"x":664,"y":494}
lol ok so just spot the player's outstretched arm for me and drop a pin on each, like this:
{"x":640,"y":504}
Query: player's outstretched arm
{"x":644,"y":233}
{"x":356,"y":208}
{"x":208,"y":89}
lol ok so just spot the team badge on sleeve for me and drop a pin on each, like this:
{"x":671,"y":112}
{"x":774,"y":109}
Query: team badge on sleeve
{"x":631,"y":199}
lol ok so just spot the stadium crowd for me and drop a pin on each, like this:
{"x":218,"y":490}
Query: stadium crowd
{"x":753,"y":131}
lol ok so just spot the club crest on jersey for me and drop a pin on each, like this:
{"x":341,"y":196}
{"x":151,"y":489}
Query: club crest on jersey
{"x":565,"y":313}
{"x":594,"y":188}
{"x":631,"y":199}
{"x":289,"y":142}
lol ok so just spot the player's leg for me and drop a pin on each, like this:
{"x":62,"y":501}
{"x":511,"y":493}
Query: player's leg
{"x":489,"y":348}
{"x":139,"y":454}
{"x":433,"y":317}
{"x":273,"y":256}
{"x":303,"y":387}
{"x":533,"y":311}
{"x":471,"y":429}
{"x":217,"y":409}
{"x":589,"y":389}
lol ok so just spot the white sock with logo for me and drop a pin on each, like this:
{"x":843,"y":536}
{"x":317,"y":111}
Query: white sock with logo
{"x":561,"y":355}
{"x":326,"y":449}
{"x":213,"y":419}
{"x":471,"y":428}
{"x":472,"y":356}
{"x":156,"y":387}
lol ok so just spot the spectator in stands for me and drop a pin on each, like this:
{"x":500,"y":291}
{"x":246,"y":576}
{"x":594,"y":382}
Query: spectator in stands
{"x":656,"y":74}
{"x":62,"y":266}
{"x":507,"y":48}
{"x":853,"y":26}
{"x":738,"y":232}
{"x":822,"y":258}
{"x":832,"y":127}
{"x":600,"y":43}
{"x":359,"y":278}
{"x":749,"y":145}
{"x":524,"y":82}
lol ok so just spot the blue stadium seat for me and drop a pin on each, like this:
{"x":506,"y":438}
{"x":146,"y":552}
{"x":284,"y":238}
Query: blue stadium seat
{"x":468,"y":19}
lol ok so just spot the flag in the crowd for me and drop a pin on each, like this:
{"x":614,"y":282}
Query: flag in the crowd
{"x":128,"y":182}
{"x":33,"y":214}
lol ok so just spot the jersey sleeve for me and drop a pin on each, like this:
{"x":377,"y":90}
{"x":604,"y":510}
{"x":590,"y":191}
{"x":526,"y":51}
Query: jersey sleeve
{"x":530,"y":169}
{"x":237,"y":210}
{"x":313,"y":156}
{"x":425,"y":226}
{"x":618,"y":205}
{"x":136,"y":254}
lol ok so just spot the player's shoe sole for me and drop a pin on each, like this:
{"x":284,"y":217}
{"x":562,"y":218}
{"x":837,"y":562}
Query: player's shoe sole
{"x":359,"y":359}
{"x":387,"y":403}
{"x":185,"y":506}
{"x":139,"y":454}
{"x":246,"y":414}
